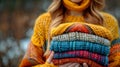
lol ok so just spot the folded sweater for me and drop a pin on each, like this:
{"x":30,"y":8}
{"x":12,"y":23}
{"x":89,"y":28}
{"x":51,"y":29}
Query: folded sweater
{"x":63,"y":46}
{"x":103,"y":60}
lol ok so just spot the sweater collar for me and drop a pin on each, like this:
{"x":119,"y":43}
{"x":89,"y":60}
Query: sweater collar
{"x":76,"y":7}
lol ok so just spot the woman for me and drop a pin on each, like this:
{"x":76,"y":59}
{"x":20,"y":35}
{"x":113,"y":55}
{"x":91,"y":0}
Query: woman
{"x":79,"y":17}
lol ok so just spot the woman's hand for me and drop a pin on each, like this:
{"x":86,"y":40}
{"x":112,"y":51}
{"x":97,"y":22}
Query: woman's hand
{"x":49,"y":60}
{"x":73,"y":65}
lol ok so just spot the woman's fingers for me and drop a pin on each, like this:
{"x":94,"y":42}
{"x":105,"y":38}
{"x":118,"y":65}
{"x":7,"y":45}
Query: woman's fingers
{"x":85,"y":65}
{"x":70,"y":65}
{"x":49,"y":60}
{"x":65,"y":65}
{"x":73,"y":65}
{"x":78,"y":65}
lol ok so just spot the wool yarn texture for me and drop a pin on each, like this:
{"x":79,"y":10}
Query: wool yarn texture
{"x":77,"y":60}
{"x":81,"y":37}
{"x":83,"y":54}
{"x":99,"y":38}
{"x":98,"y":30}
{"x":63,"y":46}
{"x":76,"y":7}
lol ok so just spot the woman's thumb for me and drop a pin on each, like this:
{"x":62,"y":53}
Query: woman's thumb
{"x":85,"y":65}
{"x":49,"y":60}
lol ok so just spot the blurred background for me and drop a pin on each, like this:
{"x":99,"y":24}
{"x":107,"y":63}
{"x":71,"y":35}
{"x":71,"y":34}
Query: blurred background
{"x":17,"y":19}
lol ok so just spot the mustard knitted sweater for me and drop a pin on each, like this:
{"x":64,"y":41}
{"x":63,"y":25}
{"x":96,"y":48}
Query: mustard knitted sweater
{"x":43,"y":22}
{"x":41,"y":27}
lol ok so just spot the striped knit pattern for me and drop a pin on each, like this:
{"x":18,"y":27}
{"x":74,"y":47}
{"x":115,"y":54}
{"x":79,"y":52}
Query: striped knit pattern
{"x":64,"y":46}
{"x":78,"y":28}
{"x":83,"y":54}
{"x":116,"y":41}
{"x":75,"y":40}
{"x":40,"y":36}
{"x":83,"y":37}
{"x":114,"y":57}
{"x":83,"y":41}
{"x":77,"y":60}
{"x":115,"y":49}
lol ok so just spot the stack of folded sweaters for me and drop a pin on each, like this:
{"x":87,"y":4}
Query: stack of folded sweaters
{"x":81,"y":42}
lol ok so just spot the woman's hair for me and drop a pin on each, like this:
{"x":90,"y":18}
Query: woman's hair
{"x":91,"y":14}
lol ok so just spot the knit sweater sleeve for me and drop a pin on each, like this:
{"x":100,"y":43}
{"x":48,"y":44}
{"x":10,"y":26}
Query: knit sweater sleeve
{"x":112,"y":24}
{"x":38,"y":36}
{"x":34,"y":54}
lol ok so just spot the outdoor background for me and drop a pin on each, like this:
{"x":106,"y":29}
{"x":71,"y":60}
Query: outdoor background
{"x":17,"y":18}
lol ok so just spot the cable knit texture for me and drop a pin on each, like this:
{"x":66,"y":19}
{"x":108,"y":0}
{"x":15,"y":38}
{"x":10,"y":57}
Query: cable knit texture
{"x":106,"y":40}
{"x":64,"y":46}
{"x":83,"y":37}
{"x":98,"y":30}
{"x":108,"y":31}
